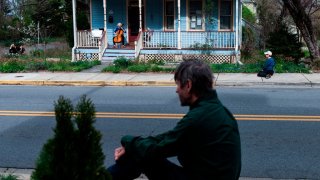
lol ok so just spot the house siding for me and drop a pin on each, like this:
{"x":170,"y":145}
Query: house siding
{"x":154,"y":15}
{"x":154,"y":10}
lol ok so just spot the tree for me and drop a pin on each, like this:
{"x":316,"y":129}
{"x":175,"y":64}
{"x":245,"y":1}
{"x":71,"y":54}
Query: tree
{"x":90,"y":156}
{"x":57,"y":159}
{"x":4,"y":11}
{"x":75,"y":151}
{"x":283,"y":42}
{"x":268,"y":12}
{"x":301,"y":11}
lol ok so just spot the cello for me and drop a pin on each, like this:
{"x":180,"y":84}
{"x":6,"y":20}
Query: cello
{"x":119,"y":36}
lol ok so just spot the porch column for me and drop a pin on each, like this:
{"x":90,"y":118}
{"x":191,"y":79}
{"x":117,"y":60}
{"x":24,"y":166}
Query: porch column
{"x":105,"y":21}
{"x":237,"y":31}
{"x":179,"y":26}
{"x":140,"y":15}
{"x":74,"y":18}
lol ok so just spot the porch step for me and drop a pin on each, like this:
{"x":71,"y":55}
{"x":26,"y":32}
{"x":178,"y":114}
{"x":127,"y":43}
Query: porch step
{"x":112,"y":54}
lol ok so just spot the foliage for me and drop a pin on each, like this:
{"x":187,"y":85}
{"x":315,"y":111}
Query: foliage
{"x":248,"y":15}
{"x":57,"y":159}
{"x":37,"y":53}
{"x":282,"y":42}
{"x":301,"y":13}
{"x":281,"y":67}
{"x":13,"y":65}
{"x":248,"y":43}
{"x":139,"y":68}
{"x":112,"y":68}
{"x":67,"y":65}
{"x":268,"y":13}
{"x":75,"y":150}
{"x":122,"y":62}
{"x":8,"y":177}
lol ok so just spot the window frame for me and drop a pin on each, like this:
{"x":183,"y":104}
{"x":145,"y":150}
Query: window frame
{"x":189,"y":18}
{"x":231,"y":16}
{"x":165,"y":15}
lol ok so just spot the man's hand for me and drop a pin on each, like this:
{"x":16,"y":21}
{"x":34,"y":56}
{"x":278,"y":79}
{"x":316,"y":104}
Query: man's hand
{"x":119,"y":152}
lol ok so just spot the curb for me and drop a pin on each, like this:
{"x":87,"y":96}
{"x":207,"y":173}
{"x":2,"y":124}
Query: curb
{"x":147,"y":83}
{"x":89,"y":83}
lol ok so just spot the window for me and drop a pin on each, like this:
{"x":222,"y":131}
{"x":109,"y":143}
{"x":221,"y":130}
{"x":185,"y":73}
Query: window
{"x":195,"y":15}
{"x":225,"y":14}
{"x":169,"y":15}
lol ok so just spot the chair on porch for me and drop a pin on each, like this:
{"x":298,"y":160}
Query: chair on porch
{"x":147,"y":38}
{"x":96,"y":35}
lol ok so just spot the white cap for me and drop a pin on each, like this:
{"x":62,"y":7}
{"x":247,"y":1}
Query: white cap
{"x":268,"y":52}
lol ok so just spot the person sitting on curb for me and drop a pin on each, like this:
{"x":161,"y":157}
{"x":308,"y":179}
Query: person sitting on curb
{"x":206,"y":140}
{"x":269,"y":64}
{"x":13,"y":49}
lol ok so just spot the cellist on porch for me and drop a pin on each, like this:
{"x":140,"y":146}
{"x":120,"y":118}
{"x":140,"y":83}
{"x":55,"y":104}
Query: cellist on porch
{"x":119,"y":37}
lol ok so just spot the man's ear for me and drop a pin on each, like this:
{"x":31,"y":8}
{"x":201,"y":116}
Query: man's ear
{"x":189,"y":85}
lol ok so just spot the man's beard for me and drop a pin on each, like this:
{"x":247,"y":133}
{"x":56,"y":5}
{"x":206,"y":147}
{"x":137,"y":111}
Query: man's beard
{"x":185,"y":101}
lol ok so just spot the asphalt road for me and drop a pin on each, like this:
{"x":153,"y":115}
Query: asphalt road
{"x":272,"y":147}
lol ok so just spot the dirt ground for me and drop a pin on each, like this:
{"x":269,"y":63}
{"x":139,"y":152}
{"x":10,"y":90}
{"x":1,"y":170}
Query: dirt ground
{"x":53,"y":45}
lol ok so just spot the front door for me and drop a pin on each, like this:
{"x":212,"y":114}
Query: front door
{"x":133,"y":19}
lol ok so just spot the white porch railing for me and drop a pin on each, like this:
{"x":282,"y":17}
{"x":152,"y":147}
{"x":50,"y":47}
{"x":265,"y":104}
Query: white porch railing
{"x":138,"y":44}
{"x":102,"y":45}
{"x":85,"y":39}
{"x":189,"y":39}
{"x":160,"y":39}
{"x":209,"y":39}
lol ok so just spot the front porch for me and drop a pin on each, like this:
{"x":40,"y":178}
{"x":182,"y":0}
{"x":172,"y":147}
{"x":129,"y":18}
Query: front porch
{"x":161,"y":28}
{"x":160,"y":42}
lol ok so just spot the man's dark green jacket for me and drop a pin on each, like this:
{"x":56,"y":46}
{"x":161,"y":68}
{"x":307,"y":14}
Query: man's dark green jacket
{"x":206,"y":141}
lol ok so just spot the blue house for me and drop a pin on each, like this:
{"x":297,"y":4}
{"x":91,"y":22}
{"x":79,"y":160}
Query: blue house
{"x":162,"y":29}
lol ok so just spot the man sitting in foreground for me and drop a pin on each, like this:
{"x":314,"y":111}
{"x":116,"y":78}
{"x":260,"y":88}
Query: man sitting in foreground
{"x":206,"y":140}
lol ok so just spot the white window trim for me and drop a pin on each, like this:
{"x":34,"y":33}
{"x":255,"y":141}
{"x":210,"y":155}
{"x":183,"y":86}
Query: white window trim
{"x":164,"y":16}
{"x":232,"y":17}
{"x":188,"y":18}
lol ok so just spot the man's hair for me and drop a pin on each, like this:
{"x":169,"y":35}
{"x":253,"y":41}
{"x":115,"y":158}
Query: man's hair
{"x":198,"y":72}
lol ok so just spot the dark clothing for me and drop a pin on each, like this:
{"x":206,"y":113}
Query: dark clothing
{"x":13,"y":50}
{"x":269,"y":64}
{"x":265,"y":73}
{"x":128,"y":169}
{"x":267,"y":68}
{"x":206,"y":141}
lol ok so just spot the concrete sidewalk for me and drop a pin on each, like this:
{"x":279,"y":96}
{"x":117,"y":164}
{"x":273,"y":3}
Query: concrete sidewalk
{"x":152,"y":79}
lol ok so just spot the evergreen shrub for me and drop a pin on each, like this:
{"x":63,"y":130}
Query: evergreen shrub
{"x":75,"y":151}
{"x":283,"y":42}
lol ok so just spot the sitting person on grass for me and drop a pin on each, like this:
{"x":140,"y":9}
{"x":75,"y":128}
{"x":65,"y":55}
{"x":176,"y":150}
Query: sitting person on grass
{"x":269,"y":64}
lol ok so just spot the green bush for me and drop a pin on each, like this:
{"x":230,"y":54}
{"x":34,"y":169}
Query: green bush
{"x":11,"y":66}
{"x":139,"y":68}
{"x":122,"y":62}
{"x":8,"y":177}
{"x":37,"y":53}
{"x":156,"y":68}
{"x":37,"y":66}
{"x":289,"y":67}
{"x":248,"y":15}
{"x":112,"y":68}
{"x":75,"y":150}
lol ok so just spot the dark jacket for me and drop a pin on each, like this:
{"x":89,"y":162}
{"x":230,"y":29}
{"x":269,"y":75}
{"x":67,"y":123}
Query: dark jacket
{"x":269,"y":64}
{"x":206,"y":141}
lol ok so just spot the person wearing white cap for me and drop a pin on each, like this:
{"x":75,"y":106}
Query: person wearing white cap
{"x":267,"y":70}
